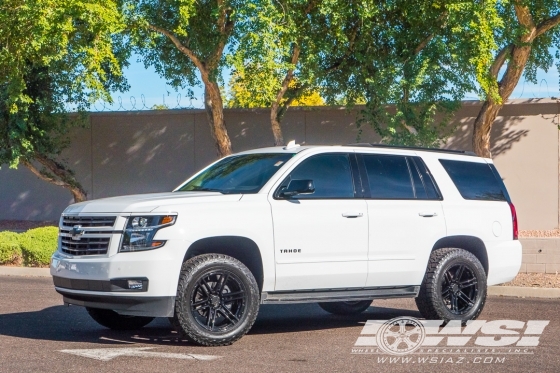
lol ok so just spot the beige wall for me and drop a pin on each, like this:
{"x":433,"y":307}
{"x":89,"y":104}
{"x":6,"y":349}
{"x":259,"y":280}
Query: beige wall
{"x":153,"y":151}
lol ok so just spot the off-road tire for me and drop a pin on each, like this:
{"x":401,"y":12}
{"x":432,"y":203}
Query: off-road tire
{"x":196,"y":276}
{"x":432,"y":300}
{"x":346,"y":308}
{"x":112,"y":320}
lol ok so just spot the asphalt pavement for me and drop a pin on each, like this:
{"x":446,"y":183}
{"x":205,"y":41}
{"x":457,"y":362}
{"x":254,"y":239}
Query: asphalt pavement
{"x":39,"y":334}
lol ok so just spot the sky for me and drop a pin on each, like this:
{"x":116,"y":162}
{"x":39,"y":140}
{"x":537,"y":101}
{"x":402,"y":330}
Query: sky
{"x":148,"y":89}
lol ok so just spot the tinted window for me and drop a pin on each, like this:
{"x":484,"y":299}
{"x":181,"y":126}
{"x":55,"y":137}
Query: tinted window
{"x":330,"y":173}
{"x":474,"y":180}
{"x":419,"y":189}
{"x":238,"y":174}
{"x":388,"y":177}
{"x":432,"y":192}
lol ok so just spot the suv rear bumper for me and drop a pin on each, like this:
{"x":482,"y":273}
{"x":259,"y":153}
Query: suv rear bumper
{"x":504,"y":262}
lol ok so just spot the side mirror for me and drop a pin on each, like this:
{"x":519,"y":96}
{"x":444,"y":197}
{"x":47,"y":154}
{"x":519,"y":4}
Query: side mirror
{"x":298,"y":187}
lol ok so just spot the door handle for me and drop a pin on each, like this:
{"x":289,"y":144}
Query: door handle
{"x":427,"y":214}
{"x":352,"y":214}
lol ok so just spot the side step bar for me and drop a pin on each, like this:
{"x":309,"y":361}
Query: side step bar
{"x":338,"y":295}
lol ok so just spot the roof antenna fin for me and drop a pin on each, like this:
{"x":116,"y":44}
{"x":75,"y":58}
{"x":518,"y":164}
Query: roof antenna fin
{"x":292,"y":144}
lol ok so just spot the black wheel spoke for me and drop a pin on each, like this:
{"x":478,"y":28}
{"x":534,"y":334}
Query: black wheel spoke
{"x":467,"y":283}
{"x":230,"y":297}
{"x":465,"y":298}
{"x":222,"y":283}
{"x":454,"y":305}
{"x":228,"y":315}
{"x":211,"y":319}
{"x":447,"y":277}
{"x":446,"y":292}
{"x":459,"y":272}
{"x":199,"y":302}
{"x":205,"y":287}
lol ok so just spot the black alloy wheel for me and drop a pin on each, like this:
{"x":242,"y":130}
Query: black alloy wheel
{"x":459,"y":289}
{"x":454,"y":286}
{"x":217,"y":300}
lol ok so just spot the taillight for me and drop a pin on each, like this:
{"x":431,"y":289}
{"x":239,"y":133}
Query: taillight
{"x":514,"y":219}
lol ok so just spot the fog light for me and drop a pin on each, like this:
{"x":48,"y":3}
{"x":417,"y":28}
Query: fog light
{"x":134,"y":284}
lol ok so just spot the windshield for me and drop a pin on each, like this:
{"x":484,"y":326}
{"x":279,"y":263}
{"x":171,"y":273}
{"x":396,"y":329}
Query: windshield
{"x":238,"y":174}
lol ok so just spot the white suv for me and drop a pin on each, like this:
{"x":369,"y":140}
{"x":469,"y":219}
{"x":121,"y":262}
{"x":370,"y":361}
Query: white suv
{"x":337,"y":225}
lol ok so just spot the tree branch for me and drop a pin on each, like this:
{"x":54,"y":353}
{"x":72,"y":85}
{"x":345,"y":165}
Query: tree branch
{"x":289,"y":76}
{"x":500,"y":60}
{"x":525,"y":19}
{"x":186,"y":51}
{"x":547,"y":25}
{"x":42,"y":176}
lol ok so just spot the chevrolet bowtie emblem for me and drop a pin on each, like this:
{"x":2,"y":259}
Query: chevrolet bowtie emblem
{"x":77,"y":232}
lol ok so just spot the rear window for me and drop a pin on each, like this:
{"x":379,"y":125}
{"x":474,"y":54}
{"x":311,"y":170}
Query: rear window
{"x":475,"y":181}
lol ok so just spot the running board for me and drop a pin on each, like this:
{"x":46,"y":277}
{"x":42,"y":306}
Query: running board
{"x":339,"y":295}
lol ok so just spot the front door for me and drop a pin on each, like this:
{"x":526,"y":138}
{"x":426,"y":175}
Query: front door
{"x":321,"y":239}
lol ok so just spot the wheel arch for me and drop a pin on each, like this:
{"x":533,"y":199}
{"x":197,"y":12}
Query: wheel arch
{"x":241,"y":248}
{"x":472,"y":244}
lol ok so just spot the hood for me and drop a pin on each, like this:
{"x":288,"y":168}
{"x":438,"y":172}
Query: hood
{"x":146,"y":202}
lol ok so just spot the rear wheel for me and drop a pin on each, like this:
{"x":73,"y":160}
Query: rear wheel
{"x":112,"y":320}
{"x":454,"y":286}
{"x":346,"y":308}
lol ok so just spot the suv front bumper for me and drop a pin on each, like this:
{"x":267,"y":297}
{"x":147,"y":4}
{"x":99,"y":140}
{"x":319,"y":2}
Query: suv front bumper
{"x":137,"y":283}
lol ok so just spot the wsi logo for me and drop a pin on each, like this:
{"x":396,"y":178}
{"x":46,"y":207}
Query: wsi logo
{"x":406,"y":335}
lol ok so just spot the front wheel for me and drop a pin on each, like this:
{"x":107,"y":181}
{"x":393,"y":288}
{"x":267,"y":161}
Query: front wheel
{"x":112,"y":320}
{"x":346,"y":308}
{"x":454,"y":286}
{"x":217,"y":300}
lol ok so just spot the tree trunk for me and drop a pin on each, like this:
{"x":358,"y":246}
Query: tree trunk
{"x":215,"y":114}
{"x":57,"y":174}
{"x":518,"y":56}
{"x":490,"y":109}
{"x":275,"y":124}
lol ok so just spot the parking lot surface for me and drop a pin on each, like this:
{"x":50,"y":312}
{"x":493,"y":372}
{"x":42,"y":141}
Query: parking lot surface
{"x":39,"y":334}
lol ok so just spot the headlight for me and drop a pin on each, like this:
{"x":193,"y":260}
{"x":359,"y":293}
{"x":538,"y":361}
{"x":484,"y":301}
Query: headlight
{"x":140,"y":231}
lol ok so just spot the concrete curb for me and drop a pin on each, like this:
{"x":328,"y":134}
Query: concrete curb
{"x":25,"y":271}
{"x":517,"y":291}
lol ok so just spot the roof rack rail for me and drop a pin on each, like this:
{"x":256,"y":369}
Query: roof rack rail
{"x":370,"y":145}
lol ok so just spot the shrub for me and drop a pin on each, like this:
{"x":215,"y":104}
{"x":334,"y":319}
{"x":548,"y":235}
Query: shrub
{"x":38,"y":245}
{"x":10,"y":250}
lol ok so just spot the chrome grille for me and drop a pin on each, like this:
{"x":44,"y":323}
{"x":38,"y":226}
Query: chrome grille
{"x":86,"y":235}
{"x":85,"y":246}
{"x":89,"y":221}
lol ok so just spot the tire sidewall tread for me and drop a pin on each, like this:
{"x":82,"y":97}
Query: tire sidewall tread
{"x":182,"y":319}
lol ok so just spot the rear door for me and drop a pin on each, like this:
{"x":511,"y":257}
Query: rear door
{"x":321,"y":239}
{"x":405,"y":218}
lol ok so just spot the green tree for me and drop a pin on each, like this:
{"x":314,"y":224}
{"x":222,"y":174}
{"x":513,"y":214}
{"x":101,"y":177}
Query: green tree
{"x":524,"y":47}
{"x":53,"y":54}
{"x":411,"y":63}
{"x":280,"y":58}
{"x":185,"y":41}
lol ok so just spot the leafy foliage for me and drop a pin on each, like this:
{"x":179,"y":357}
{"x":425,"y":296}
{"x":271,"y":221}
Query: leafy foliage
{"x":38,"y":245}
{"x":10,"y":250}
{"x":411,"y":64}
{"x":53,"y":54}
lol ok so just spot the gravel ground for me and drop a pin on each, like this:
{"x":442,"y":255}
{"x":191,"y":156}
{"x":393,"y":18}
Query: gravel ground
{"x":539,"y":234}
{"x":536,"y":280}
